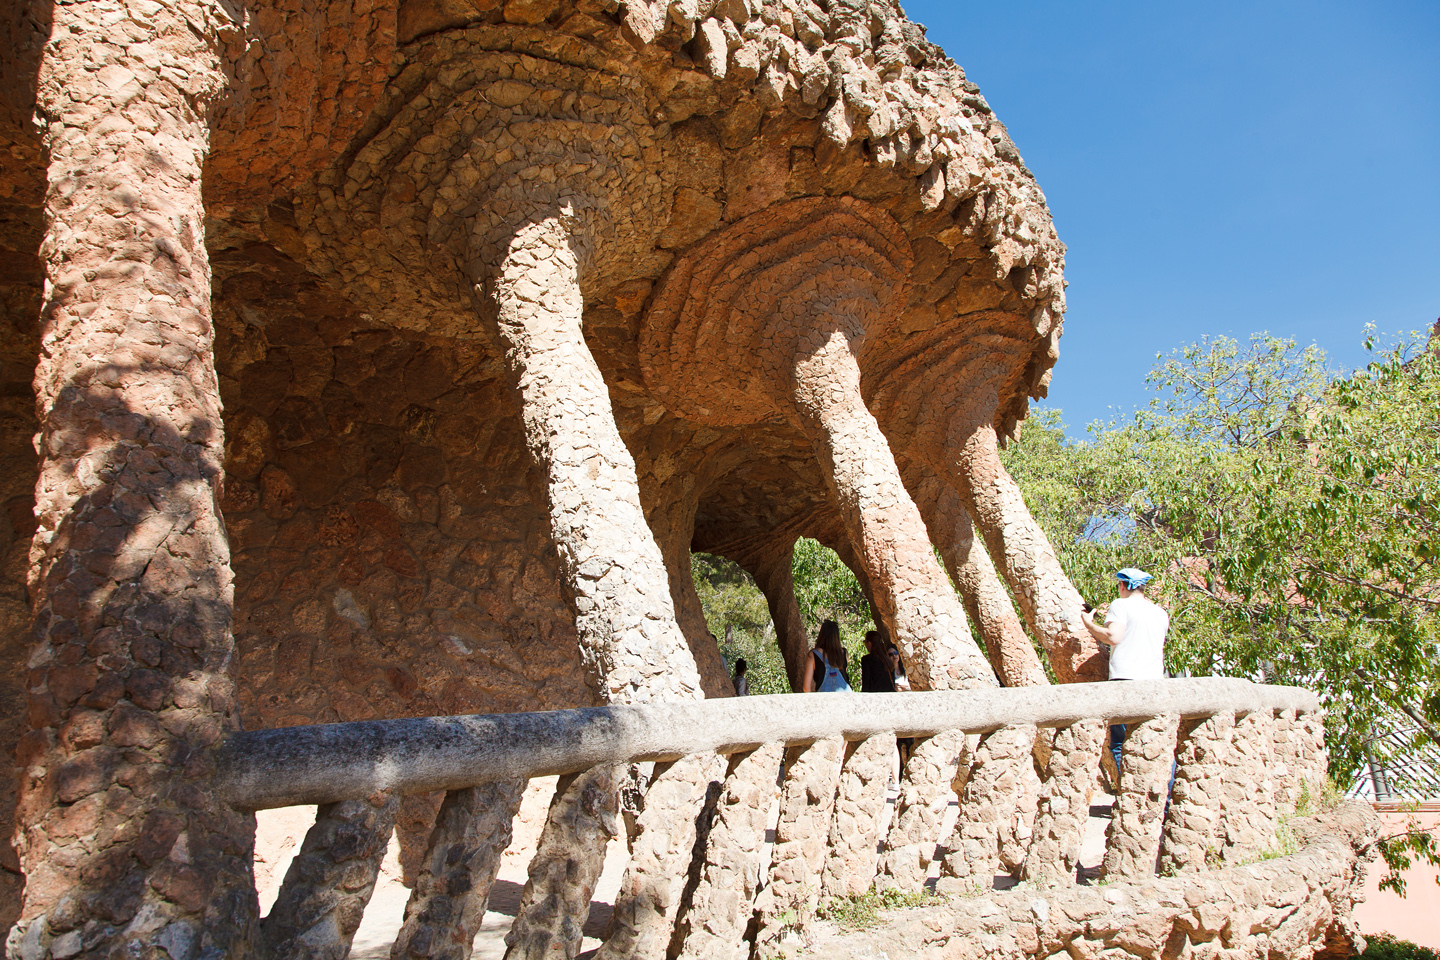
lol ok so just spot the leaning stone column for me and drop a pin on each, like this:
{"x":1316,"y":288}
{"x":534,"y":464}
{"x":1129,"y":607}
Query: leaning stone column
{"x":774,"y":576}
{"x":330,"y":880}
{"x":911,"y":591}
{"x":1047,"y":597}
{"x":1133,"y":840}
{"x":630,"y":643}
{"x":1192,"y":828}
{"x":583,"y":817}
{"x":796,"y":287}
{"x":629,"y":640}
{"x":986,"y":601}
{"x":126,"y":848}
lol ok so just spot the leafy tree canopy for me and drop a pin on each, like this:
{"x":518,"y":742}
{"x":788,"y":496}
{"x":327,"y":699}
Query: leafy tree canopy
{"x":1291,"y":514}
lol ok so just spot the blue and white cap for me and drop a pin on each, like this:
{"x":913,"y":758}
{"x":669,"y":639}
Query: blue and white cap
{"x":1133,"y":577}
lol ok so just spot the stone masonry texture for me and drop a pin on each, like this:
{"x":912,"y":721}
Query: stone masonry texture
{"x":661,"y":848}
{"x":583,"y":817}
{"x":721,"y":905}
{"x":1132,"y":843}
{"x":1193,"y":825}
{"x":1294,"y":907}
{"x":926,"y":789}
{"x":444,"y":912}
{"x":1064,"y":806}
{"x":993,"y":798}
{"x":379,"y":359}
{"x":850,"y":861}
{"x":802,"y":834}
{"x":123,"y":842}
{"x":330,"y":880}
{"x":1249,"y":812}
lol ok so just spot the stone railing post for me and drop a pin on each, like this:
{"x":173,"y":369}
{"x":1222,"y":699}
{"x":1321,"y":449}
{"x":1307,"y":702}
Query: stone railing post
{"x":1192,"y":828}
{"x":1132,"y":843}
{"x":583,"y":818}
{"x":722,"y":903}
{"x":650,"y":892}
{"x":1313,"y":758}
{"x":925,"y":791}
{"x":1288,"y":748}
{"x":330,"y":880}
{"x":851,"y":863}
{"x":807,"y":802}
{"x":1248,"y":808}
{"x":992,"y":799}
{"x":447,"y":906}
{"x":122,"y":838}
{"x":1054,"y":854}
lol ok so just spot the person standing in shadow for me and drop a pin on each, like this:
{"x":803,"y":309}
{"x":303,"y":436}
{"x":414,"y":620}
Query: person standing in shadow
{"x":742,"y":682}
{"x":876,"y":675}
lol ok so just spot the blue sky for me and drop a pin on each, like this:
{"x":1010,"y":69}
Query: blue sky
{"x":1218,"y":168}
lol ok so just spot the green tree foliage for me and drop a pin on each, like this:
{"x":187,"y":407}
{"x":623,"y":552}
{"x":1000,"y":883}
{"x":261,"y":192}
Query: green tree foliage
{"x":1292,"y":515}
{"x":737,"y":615}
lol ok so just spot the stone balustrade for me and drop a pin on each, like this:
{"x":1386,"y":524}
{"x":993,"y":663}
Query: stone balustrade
{"x":728,"y":770}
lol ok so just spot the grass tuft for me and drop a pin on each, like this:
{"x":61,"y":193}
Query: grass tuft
{"x":859,"y":913}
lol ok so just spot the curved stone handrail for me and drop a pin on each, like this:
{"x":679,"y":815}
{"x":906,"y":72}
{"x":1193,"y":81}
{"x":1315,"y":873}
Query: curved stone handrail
{"x":325,"y":763}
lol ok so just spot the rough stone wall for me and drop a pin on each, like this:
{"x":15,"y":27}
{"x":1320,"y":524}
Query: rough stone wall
{"x":20,"y":280}
{"x":24,"y":28}
{"x":1289,"y":908}
{"x":390,"y":559}
{"x":851,"y":857}
{"x":391,"y":499}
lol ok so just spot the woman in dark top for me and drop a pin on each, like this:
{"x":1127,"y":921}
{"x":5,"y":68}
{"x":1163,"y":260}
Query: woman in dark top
{"x":875,"y":675}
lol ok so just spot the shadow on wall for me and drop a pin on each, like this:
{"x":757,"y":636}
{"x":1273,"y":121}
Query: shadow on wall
{"x":131,"y":679}
{"x":24,"y":29}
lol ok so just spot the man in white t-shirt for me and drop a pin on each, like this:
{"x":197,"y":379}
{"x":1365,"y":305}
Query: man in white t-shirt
{"x":1135,"y":629}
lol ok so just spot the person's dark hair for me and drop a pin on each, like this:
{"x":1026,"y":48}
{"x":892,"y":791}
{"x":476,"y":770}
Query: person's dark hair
{"x":872,"y":641}
{"x":741,"y":666}
{"x":828,"y":642}
{"x":894,"y":651}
